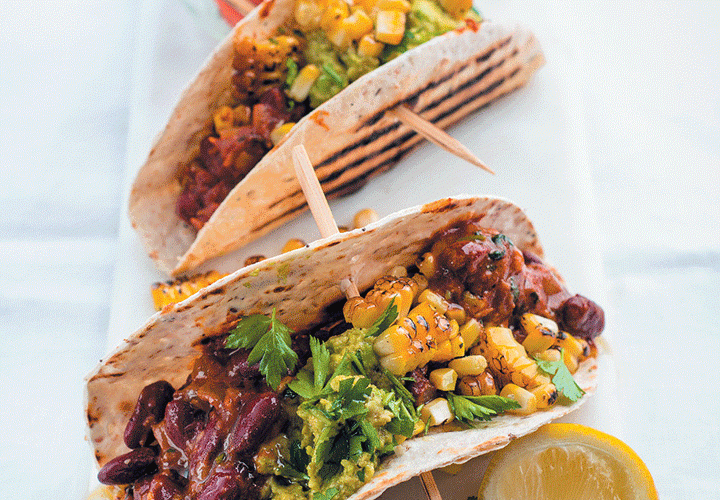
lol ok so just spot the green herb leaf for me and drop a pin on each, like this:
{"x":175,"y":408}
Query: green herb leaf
{"x":292,"y":72}
{"x":386,"y":319}
{"x":469,"y":408}
{"x":328,"y":495}
{"x":499,"y":238}
{"x":270,"y":342}
{"x":561,"y":377}
{"x":332,"y":73}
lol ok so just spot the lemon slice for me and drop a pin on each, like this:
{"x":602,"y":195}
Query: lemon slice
{"x":567,"y":462}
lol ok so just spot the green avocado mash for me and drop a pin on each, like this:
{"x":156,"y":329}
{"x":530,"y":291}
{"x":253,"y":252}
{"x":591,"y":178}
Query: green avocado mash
{"x":340,"y":67}
{"x":347,"y":418}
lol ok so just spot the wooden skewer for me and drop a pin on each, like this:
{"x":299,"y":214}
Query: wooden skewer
{"x":326,"y":223}
{"x":436,"y":135}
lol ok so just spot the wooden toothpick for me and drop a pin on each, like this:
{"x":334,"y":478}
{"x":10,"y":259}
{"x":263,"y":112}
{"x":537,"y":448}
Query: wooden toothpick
{"x":436,"y":135}
{"x":326,"y":223}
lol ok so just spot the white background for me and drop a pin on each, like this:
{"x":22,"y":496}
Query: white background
{"x":616,"y":142}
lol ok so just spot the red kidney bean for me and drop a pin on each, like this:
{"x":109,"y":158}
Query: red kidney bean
{"x":227,"y":482}
{"x":258,"y":414}
{"x":149,"y":410}
{"x":164,"y":487}
{"x":182,"y":422}
{"x":205,"y":449}
{"x":421,"y":388}
{"x":129,"y":467}
{"x":582,"y":317}
{"x":239,"y":369}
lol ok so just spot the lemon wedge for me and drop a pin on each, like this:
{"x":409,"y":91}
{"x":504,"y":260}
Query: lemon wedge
{"x":567,"y":462}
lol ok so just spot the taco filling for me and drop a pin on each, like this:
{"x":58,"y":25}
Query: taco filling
{"x":474,"y":329}
{"x":327,"y":45}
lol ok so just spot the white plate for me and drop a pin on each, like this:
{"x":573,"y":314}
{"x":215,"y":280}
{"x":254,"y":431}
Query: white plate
{"x":533,"y":139}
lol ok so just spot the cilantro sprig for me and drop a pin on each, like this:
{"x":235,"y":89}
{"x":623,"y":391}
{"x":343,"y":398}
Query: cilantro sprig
{"x":561,"y":377}
{"x":469,"y":408}
{"x":270,"y":342}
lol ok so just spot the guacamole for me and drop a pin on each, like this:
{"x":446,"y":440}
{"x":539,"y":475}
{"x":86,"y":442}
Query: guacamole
{"x":347,"y":417}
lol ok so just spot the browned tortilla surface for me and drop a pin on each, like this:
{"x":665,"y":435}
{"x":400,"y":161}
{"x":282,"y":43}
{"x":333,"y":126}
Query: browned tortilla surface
{"x":300,"y":285}
{"x":349,"y":139}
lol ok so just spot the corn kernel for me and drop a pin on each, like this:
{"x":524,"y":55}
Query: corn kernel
{"x":280,"y":131}
{"x":470,"y":332}
{"x":436,"y":301}
{"x":545,"y":394}
{"x":436,"y":412}
{"x":398,"y":272}
{"x":357,"y":25}
{"x":223,"y":118}
{"x":398,"y":5}
{"x":390,"y":26}
{"x":443,"y":379}
{"x":333,"y":15}
{"x":525,"y":398}
{"x":369,"y":47}
{"x":469,"y":365}
{"x":364,"y":217}
{"x":308,"y":14}
{"x":293,"y":244}
{"x":456,"y":8}
{"x":456,"y":312}
{"x":427,"y":265}
{"x":540,"y":332}
{"x":478,"y":385}
{"x":300,"y":88}
{"x":550,"y":355}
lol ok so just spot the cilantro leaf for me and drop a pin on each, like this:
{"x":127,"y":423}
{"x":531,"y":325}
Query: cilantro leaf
{"x":386,"y":319}
{"x":292,"y":71}
{"x":270,"y":342}
{"x":328,"y":495}
{"x":469,"y":408}
{"x":321,"y":362}
{"x":561,"y":377}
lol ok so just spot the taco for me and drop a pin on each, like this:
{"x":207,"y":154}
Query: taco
{"x":221,"y":175}
{"x":270,"y":384}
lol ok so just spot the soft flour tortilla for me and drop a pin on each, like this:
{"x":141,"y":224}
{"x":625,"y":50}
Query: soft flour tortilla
{"x":300,"y":285}
{"x":349,"y":138}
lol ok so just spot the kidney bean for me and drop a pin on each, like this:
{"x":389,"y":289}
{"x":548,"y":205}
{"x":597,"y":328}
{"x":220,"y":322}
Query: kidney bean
{"x":182,"y":422}
{"x":258,"y":414}
{"x":421,"y":388}
{"x":582,"y":317}
{"x":227,"y":482}
{"x":164,"y":487}
{"x":239,"y":369}
{"x":129,"y":467}
{"x":206,"y":448}
{"x":149,"y":410}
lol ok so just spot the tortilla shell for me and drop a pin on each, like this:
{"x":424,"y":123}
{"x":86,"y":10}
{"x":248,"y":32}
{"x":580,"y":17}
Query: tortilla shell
{"x":349,"y":138}
{"x":300,"y":285}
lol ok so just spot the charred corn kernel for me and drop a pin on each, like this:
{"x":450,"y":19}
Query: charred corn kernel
{"x":478,"y":385}
{"x":398,"y":272}
{"x":470,"y":332}
{"x":438,"y":302}
{"x":333,"y":14}
{"x":369,"y":47}
{"x":457,"y":346}
{"x":540,"y":332}
{"x":174,"y":291}
{"x":362,"y":312}
{"x":575,"y":350}
{"x":508,"y":359}
{"x":366,"y":5}
{"x":292,"y":244}
{"x":242,"y":115}
{"x":525,"y":398}
{"x":545,"y":395}
{"x":436,"y":412}
{"x":427,"y":265}
{"x":223,"y":118}
{"x":469,"y":365}
{"x":261,"y":64}
{"x":398,"y":5}
{"x":444,"y":379}
{"x":364,"y":217}
{"x":456,"y":8}
{"x":280,"y":131}
{"x":300,"y":88}
{"x":390,"y":26}
{"x":552,"y":355}
{"x":415,"y":340}
{"x":308,"y":14}
{"x":422,"y":282}
{"x":254,"y":259}
{"x":456,"y":312}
